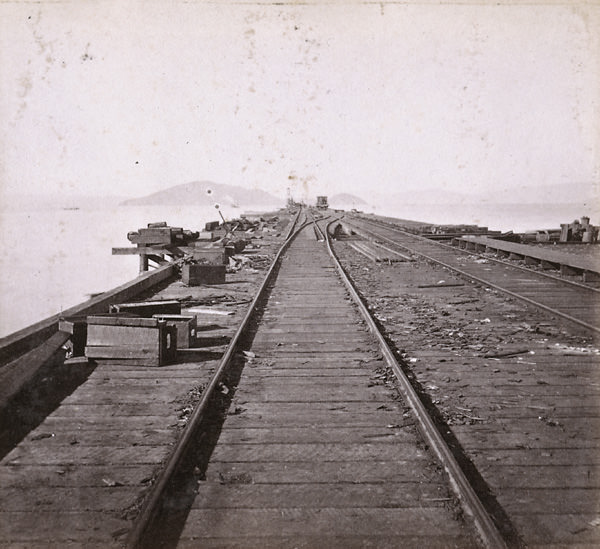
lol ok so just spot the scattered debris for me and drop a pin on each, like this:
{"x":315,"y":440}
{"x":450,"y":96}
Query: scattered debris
{"x":506,"y":354}
{"x":111,"y":483}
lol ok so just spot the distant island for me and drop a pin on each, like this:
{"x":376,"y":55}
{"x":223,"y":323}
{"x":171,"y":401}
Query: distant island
{"x":346,"y":200}
{"x":206,"y":193}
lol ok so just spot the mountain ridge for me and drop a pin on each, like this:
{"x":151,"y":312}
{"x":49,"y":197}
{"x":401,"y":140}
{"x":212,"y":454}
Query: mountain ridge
{"x":204,"y":193}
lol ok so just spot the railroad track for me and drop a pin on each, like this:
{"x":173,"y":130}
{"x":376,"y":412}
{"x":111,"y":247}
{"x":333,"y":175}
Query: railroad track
{"x":312,"y":446}
{"x":516,"y":389}
{"x":307,"y":434}
{"x":574,"y":302}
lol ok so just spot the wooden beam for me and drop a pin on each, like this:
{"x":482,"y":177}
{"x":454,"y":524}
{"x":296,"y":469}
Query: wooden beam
{"x":16,"y":374}
{"x":157,"y":259}
{"x":140,"y":250}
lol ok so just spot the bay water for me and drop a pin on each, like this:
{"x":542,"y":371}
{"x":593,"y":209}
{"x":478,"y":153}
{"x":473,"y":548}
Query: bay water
{"x":55,"y":258}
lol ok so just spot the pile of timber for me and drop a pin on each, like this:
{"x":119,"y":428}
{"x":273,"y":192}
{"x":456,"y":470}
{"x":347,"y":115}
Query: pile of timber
{"x":160,"y":234}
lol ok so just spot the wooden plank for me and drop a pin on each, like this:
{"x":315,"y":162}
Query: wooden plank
{"x":347,"y":541}
{"x":125,"y":336}
{"x":15,"y":375}
{"x":76,"y":498}
{"x":32,"y":454}
{"x":556,"y":530}
{"x":150,"y":239}
{"x":324,"y":522}
{"x":315,"y":452}
{"x":64,"y":434}
{"x":60,"y":527}
{"x":30,"y":477}
{"x":122,"y":320}
{"x":402,"y":432}
{"x":410,"y":493}
{"x":121,"y":352}
{"x":538,"y":475}
{"x":154,"y":249}
{"x":570,"y":499}
{"x":148,"y":308}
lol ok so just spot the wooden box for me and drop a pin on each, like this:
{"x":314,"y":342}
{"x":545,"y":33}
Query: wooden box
{"x":211,"y":225}
{"x":206,"y":236}
{"x":196,"y":274}
{"x":140,"y":341}
{"x":186,"y":328}
{"x":214,"y":256}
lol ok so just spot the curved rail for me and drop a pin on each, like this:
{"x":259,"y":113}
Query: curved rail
{"x":151,"y":506}
{"x":487,"y":529}
{"x":318,"y":232}
{"x":485,"y":282}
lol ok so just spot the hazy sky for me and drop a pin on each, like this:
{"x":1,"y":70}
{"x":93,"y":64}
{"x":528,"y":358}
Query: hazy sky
{"x":127,"y":97}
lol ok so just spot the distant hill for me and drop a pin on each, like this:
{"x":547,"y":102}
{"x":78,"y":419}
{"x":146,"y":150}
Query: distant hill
{"x":206,"y":193}
{"x":346,"y":200}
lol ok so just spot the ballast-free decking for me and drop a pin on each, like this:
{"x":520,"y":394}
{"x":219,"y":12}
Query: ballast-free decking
{"x":318,"y":451}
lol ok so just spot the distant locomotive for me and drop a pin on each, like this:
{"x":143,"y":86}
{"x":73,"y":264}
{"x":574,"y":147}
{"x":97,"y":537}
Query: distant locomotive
{"x":322,"y":203}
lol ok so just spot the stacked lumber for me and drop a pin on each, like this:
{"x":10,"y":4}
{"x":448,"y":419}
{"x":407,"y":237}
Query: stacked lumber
{"x":136,"y":341}
{"x":161,"y":234}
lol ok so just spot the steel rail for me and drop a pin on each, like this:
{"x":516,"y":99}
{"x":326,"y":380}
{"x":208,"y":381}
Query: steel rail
{"x":151,"y":506}
{"x":472,"y":505}
{"x":473,"y":252}
{"x":318,"y":232}
{"x":546,"y":308}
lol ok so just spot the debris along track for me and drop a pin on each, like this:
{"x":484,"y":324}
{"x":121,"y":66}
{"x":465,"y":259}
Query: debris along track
{"x":574,"y":302}
{"x":513,"y":391}
{"x":314,"y":447}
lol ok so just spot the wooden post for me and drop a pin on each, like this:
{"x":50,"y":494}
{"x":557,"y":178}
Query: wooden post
{"x":143,"y":263}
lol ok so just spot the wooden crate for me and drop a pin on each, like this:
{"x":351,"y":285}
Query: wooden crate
{"x":212,"y":256}
{"x":147,"y":309}
{"x":206,"y":236}
{"x":186,"y":328}
{"x":196,"y":274}
{"x":143,"y":341}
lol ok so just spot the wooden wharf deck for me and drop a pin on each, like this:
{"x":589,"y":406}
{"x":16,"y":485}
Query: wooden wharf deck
{"x":518,"y":391}
{"x":77,"y":479}
{"x":78,"y":476}
{"x":319,"y":451}
{"x":574,"y":302}
{"x":317,"y":448}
